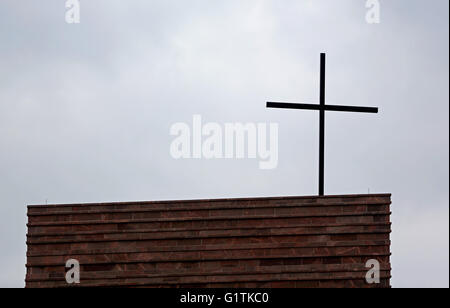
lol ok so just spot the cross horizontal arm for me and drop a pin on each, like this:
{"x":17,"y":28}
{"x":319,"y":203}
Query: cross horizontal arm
{"x":318,"y":107}
{"x":293,"y":106}
{"x":351,"y":109}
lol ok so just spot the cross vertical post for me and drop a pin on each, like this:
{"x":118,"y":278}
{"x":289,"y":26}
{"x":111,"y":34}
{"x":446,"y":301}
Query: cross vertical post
{"x":322,"y":127}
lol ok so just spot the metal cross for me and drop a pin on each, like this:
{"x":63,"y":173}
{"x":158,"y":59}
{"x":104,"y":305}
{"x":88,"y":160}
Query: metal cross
{"x":322,"y":107}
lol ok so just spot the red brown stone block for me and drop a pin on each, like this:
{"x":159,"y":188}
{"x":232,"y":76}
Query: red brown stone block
{"x":258,"y":243}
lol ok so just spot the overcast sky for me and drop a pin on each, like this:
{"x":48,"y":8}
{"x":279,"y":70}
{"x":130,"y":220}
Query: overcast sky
{"x":85,"y":109}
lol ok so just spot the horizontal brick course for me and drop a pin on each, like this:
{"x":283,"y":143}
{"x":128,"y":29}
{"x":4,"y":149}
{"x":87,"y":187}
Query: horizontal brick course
{"x":262,"y":242}
{"x":300,"y":211}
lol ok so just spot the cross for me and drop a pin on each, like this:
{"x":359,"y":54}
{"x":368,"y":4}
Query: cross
{"x":322,"y":107}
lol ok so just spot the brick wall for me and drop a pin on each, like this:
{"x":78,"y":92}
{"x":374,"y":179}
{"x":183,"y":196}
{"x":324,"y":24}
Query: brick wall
{"x":264,"y":242}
